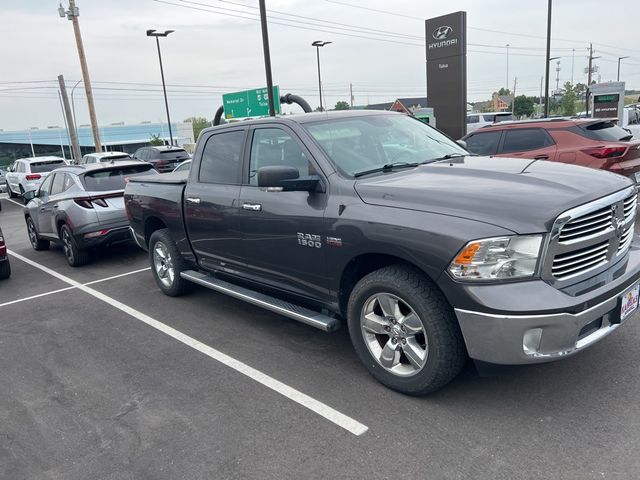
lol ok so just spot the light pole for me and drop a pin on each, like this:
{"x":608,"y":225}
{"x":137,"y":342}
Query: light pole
{"x":507,"y":66}
{"x":318,"y":44}
{"x":546,"y":92}
{"x":546,"y":71}
{"x":153,"y":33}
{"x":72,"y":14}
{"x":73,"y":105}
{"x":620,"y":58}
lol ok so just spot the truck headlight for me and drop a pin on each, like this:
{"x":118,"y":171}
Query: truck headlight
{"x":499,"y":258}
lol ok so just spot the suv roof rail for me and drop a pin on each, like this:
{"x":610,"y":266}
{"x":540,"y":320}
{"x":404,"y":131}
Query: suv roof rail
{"x":532,"y":120}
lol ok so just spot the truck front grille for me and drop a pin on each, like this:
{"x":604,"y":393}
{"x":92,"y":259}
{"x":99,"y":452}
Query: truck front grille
{"x":589,"y":238}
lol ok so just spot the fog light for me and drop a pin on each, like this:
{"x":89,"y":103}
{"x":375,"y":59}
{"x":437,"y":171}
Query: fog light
{"x":531,"y":341}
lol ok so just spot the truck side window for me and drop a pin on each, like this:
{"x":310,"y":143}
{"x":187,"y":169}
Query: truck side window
{"x":222,"y":158}
{"x":484,"y":143}
{"x":273,"y":146}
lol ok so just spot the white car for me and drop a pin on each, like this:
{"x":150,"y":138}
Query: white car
{"x":27,"y":174}
{"x":98,"y":157}
{"x":477,"y":120}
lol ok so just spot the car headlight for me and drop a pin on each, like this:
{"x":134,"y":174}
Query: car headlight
{"x":500,"y":258}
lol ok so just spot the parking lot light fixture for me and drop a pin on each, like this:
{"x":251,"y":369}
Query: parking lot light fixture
{"x":318,"y":44}
{"x":154,"y":33}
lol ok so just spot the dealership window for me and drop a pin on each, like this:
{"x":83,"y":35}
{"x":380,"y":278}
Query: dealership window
{"x":525,"y":139}
{"x":484,"y":143}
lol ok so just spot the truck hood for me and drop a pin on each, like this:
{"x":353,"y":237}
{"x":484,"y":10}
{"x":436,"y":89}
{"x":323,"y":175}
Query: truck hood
{"x":522,"y":195}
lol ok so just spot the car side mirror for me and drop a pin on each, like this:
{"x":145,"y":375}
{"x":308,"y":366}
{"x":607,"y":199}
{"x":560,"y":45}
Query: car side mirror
{"x":462,"y":143}
{"x":286,"y":179}
{"x":30,"y":195}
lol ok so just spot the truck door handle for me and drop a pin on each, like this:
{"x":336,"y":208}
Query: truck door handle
{"x":55,"y":207}
{"x":193,"y":200}
{"x":254,"y":207}
{"x":541,"y":157}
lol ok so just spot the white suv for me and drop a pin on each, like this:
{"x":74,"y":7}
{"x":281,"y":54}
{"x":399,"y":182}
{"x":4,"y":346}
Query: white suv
{"x":27,"y":174}
{"x":104,"y":157}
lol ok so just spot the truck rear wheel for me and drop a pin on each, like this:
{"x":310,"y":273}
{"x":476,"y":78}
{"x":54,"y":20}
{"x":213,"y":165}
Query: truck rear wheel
{"x":167,"y":263}
{"x":404,"y":331}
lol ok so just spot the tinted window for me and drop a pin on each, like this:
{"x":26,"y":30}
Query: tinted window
{"x":68,"y":182}
{"x":115,"y":158}
{"x":525,"y":139}
{"x":58,"y":184}
{"x":40,"y":167}
{"x":484,"y":143}
{"x":140,"y":153}
{"x":177,"y":153}
{"x":45,"y":188}
{"x":114,"y":178}
{"x":607,"y":131}
{"x":221,"y":159}
{"x":473,"y":119}
{"x":503,"y":118}
{"x":273,"y":146}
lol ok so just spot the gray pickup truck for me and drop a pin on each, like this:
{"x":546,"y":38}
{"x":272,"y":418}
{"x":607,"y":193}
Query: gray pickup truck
{"x":429,"y":254}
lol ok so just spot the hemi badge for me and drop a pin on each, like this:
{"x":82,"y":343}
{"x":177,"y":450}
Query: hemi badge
{"x":334,"y":242}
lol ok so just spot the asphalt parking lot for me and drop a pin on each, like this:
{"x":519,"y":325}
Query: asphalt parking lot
{"x":104,"y":377}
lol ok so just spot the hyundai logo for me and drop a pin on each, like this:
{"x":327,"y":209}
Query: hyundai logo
{"x":441,"y":33}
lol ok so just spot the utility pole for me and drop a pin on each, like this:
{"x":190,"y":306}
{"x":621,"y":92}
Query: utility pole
{"x":557,"y":75}
{"x":73,"y":134}
{"x":72,"y":14}
{"x":507,"y":84}
{"x":573,"y":55}
{"x":540,"y":97}
{"x":66,"y":127}
{"x":589,"y":78}
{"x":351,"y":88}
{"x":267,"y":57}
{"x":546,"y":82}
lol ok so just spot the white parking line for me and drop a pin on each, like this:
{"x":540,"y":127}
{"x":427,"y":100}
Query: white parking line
{"x":334,"y":416}
{"x":13,"y":201}
{"x":70,"y":288}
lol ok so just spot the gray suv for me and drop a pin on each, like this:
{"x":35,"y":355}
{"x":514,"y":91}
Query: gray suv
{"x":81,"y":207}
{"x":164,"y":159}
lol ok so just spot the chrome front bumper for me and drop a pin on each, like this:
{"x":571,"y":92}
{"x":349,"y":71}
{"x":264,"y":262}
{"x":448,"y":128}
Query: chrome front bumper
{"x":522,"y":339}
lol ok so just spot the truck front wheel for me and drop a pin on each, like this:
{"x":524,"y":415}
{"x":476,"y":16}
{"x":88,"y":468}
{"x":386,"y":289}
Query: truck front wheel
{"x":167,"y":263}
{"x":404,"y":331}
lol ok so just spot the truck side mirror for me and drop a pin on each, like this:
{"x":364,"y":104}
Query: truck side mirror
{"x":282,"y":178}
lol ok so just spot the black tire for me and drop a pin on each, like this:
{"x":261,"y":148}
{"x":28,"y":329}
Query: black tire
{"x":5,"y":269}
{"x":75,"y":256}
{"x":167,"y":263}
{"x":36,"y":242}
{"x":10,"y":192}
{"x":440,"y":337}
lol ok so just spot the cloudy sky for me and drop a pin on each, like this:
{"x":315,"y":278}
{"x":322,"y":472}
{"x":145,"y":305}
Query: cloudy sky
{"x":378,"y":46}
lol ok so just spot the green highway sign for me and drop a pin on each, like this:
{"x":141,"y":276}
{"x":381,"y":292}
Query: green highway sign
{"x":249,"y":103}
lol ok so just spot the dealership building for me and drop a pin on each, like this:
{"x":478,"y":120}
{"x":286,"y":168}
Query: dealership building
{"x":117,"y":137}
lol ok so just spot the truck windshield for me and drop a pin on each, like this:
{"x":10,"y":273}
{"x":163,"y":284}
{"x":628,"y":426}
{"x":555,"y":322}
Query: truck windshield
{"x":114,"y":178}
{"x":370,"y":142}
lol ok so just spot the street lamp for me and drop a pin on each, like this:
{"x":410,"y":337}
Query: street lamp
{"x":546,"y":87}
{"x":153,"y":33}
{"x":73,"y":105}
{"x":318,"y":44}
{"x":620,"y":58}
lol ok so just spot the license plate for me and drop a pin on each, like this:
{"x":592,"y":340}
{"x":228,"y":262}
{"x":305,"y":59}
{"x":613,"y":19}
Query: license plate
{"x":629,"y":302}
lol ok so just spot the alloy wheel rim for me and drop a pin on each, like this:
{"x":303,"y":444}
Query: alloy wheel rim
{"x":163,"y":264}
{"x":394,"y":334}
{"x":31,"y":230}
{"x":66,"y":245}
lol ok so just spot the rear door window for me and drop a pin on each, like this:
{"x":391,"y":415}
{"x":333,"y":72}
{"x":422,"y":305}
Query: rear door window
{"x":222,"y":158}
{"x":41,"y":167}
{"x":525,"y":139}
{"x":113,"y":178}
{"x":485,"y":143}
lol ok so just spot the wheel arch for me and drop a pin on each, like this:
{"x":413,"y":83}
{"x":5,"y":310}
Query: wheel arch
{"x":151,"y":224}
{"x":365,"y":263}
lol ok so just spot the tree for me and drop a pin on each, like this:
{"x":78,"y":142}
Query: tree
{"x":199,"y":124}
{"x":568,"y":102}
{"x":523,"y":106}
{"x":504,"y":91}
{"x":341,"y":105}
{"x":155,"y":140}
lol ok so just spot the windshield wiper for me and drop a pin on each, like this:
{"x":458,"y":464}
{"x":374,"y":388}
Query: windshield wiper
{"x":387,"y":167}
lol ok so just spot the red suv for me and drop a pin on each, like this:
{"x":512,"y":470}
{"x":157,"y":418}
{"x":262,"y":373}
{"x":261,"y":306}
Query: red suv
{"x":596,"y":143}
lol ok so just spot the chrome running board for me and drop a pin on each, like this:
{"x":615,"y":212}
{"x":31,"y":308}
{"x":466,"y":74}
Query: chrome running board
{"x":291,"y":310}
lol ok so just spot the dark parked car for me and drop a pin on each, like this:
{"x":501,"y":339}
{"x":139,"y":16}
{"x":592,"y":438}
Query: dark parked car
{"x":81,"y":207}
{"x":5,"y":267}
{"x":429,"y":253}
{"x":163,"y":159}
{"x":592,"y":142}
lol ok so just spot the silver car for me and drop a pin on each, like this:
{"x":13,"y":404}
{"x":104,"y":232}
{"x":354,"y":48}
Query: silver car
{"x":81,"y":207}
{"x":98,"y":157}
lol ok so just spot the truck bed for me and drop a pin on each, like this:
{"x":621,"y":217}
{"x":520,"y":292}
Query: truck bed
{"x":173,"y":178}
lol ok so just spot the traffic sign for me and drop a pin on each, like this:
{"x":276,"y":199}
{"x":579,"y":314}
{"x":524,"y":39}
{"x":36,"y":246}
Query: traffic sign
{"x":249,"y":103}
